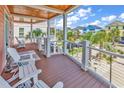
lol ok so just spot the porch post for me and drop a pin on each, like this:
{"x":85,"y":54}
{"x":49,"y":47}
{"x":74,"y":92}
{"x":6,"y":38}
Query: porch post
{"x":31,"y":37}
{"x":48,"y":39}
{"x":64,"y":33}
{"x":85,"y":55}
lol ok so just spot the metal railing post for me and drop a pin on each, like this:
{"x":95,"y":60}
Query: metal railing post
{"x":110,"y":71}
{"x":85,"y":55}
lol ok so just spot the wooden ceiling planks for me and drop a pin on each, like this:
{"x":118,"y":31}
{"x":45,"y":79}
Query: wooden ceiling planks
{"x":39,"y":13}
{"x":61,"y":7}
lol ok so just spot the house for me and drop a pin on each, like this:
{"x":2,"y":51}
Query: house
{"x":22,"y":30}
{"x":93,"y":28}
{"x":115,"y":25}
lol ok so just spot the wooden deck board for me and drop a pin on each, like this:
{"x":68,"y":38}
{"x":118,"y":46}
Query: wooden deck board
{"x":61,"y":68}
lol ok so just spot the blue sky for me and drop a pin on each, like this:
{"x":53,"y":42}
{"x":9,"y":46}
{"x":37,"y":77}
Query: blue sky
{"x":94,"y":15}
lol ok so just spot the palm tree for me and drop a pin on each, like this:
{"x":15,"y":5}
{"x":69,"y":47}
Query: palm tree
{"x":37,"y":32}
{"x":100,"y":38}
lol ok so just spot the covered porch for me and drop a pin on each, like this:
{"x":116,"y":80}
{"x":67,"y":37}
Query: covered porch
{"x":56,"y":63}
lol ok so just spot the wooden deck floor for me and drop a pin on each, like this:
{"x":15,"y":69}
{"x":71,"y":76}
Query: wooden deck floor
{"x":61,"y":68}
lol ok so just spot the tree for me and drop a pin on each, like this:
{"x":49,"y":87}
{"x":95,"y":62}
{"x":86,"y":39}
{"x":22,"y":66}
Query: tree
{"x":37,"y":32}
{"x":52,"y":31}
{"x":70,"y":36}
{"x":59,"y":34}
{"x":114,"y":36}
{"x":100,"y":38}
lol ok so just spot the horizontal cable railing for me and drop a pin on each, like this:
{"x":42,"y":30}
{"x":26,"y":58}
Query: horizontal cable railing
{"x":75,"y":50}
{"x":108,"y":64}
{"x":56,"y":47}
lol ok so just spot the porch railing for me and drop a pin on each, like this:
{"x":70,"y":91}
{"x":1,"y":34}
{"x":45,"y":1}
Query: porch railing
{"x":75,"y":50}
{"x":108,"y":64}
{"x":56,"y":47}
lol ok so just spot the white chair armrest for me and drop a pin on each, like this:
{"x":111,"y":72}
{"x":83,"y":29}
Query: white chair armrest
{"x":27,"y":60}
{"x":27,"y":78}
{"x":58,"y":85}
{"x":29,"y":54}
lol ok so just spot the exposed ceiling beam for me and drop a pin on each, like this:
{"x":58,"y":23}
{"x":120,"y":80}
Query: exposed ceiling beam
{"x":26,"y":16}
{"x":16,"y":21}
{"x":72,"y":8}
{"x":39,"y":21}
{"x":46,"y":8}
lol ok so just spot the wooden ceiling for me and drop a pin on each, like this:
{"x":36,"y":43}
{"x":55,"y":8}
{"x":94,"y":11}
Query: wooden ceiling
{"x":41,"y":12}
{"x":61,"y":7}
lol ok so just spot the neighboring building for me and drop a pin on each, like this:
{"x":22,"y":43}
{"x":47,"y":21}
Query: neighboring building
{"x":82,"y":30}
{"x":115,"y":25}
{"x":93,"y":28}
{"x":21,"y":30}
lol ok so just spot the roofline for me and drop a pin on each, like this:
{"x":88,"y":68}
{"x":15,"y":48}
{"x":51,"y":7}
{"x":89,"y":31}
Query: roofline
{"x":72,"y":8}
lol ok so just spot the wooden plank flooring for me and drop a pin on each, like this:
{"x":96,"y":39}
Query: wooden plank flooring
{"x":61,"y":68}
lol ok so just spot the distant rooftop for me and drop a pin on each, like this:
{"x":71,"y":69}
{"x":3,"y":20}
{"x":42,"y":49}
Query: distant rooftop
{"x":116,"y":23}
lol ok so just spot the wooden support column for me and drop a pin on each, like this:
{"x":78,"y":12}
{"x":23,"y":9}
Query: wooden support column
{"x":64,"y":33}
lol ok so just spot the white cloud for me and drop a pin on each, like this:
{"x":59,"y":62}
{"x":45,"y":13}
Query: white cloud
{"x":109,"y":18}
{"x":84,"y":12}
{"x":73,"y":18}
{"x":70,"y":20}
{"x":70,"y":13}
{"x":97,"y":22}
{"x":69,"y":24}
{"x":59,"y":23}
{"x":121,"y":16}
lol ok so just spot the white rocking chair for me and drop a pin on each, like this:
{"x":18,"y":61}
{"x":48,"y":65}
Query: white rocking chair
{"x":19,"y":58}
{"x":4,"y":83}
{"x":21,"y":43}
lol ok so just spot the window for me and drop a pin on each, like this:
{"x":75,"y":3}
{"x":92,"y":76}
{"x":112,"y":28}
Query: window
{"x":21,"y":32}
{"x":109,"y":28}
{"x":123,"y":27}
